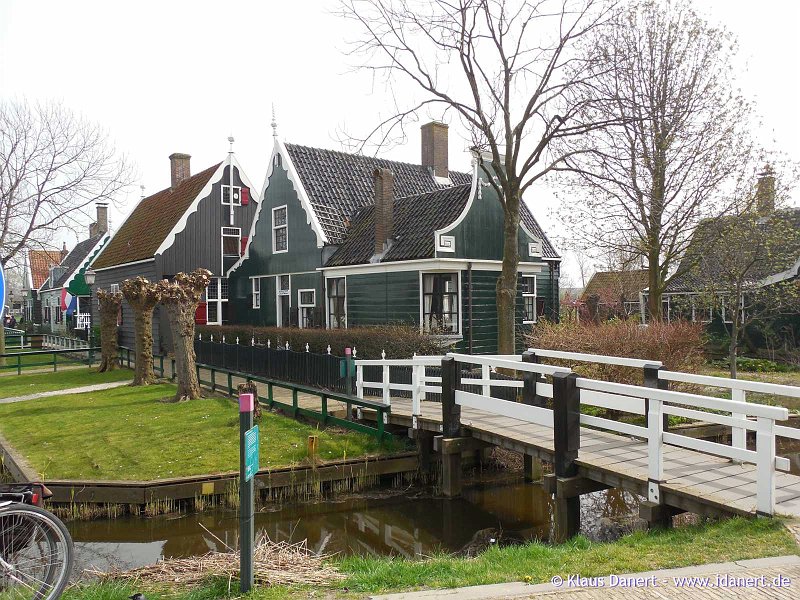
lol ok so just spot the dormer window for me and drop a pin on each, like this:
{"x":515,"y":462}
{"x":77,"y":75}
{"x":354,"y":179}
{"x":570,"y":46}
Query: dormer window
{"x":280,"y":230}
{"x":226,"y":195}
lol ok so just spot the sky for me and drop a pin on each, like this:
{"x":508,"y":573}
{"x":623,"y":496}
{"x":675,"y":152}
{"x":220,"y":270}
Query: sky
{"x":180,"y":76}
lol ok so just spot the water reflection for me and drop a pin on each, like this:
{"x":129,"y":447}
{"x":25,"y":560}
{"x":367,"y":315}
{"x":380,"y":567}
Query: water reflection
{"x":409,"y":525}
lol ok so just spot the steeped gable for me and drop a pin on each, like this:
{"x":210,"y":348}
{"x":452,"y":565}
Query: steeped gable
{"x":152,"y":221}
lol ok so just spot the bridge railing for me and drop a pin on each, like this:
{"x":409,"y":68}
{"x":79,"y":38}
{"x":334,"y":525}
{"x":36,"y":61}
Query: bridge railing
{"x":738,"y":390}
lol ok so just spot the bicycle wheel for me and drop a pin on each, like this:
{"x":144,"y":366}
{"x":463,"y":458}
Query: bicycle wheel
{"x":35,"y":554}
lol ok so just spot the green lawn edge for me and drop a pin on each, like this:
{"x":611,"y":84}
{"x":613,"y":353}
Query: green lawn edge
{"x":128,"y":433}
{"x":728,"y":540}
{"x":12,"y":386}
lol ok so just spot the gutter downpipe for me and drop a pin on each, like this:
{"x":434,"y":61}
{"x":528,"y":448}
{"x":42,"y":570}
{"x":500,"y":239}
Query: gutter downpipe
{"x":469,"y":303}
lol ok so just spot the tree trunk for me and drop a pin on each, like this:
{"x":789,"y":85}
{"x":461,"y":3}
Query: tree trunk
{"x":654,"y":287}
{"x":181,"y":322}
{"x":143,"y":329}
{"x":507,"y":282}
{"x":109,"y":304}
{"x":733,"y":347}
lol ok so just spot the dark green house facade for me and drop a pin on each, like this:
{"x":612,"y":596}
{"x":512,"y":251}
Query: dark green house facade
{"x":343,"y":240}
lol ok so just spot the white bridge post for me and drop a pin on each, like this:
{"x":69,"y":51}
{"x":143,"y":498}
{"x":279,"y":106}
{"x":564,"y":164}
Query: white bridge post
{"x":739,"y":434}
{"x":417,"y":381}
{"x":359,"y":381}
{"x":765,"y":466}
{"x":655,"y":446}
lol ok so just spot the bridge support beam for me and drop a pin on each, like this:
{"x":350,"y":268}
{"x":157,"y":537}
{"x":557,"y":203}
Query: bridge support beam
{"x":566,"y":443}
{"x":570,"y":487}
{"x":424,"y":440}
{"x":657,"y":515}
{"x":532,"y":466}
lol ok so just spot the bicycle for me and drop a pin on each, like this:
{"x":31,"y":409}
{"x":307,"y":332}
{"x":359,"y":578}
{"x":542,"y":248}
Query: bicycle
{"x":36,"y":550}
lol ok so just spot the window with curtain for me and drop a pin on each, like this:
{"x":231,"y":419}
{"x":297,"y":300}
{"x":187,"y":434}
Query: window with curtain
{"x":336,"y":303}
{"x":527,"y":285}
{"x":440,"y":303}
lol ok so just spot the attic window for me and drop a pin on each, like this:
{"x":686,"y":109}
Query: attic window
{"x":237,"y":195}
{"x":280,"y":230}
{"x":277,"y":160}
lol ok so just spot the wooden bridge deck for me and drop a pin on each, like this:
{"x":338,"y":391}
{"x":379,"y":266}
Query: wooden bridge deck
{"x":695,"y":481}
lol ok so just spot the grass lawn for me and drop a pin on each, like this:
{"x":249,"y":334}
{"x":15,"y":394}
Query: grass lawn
{"x":23,"y":385}
{"x":791,"y":378}
{"x":734,"y":539}
{"x":126,"y":433}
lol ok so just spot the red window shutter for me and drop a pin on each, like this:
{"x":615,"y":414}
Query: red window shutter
{"x":244,"y":245}
{"x":200,"y":314}
{"x":245,"y":196}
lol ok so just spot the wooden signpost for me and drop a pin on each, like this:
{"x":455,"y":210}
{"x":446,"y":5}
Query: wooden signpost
{"x":248,"y":467}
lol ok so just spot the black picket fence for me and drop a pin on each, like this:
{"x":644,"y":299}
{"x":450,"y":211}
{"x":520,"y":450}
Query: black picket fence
{"x":323,"y":371}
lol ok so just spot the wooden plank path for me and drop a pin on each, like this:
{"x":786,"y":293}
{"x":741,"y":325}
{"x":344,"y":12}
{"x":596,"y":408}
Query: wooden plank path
{"x":694,"y":481}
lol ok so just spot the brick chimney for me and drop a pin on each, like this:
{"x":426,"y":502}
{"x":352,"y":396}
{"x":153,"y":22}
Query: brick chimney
{"x":765,"y":192}
{"x":101,"y":224}
{"x":384,"y":208}
{"x":434,"y":148}
{"x":179,"y":168}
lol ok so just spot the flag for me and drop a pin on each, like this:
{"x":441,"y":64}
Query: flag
{"x":68,"y":302}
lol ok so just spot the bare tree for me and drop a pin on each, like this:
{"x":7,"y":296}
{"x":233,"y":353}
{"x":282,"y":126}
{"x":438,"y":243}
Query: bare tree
{"x":181,"y":297}
{"x":506,"y":69}
{"x":680,"y":151}
{"x":142,"y":295}
{"x":53,"y":166}
{"x":109,"y":304}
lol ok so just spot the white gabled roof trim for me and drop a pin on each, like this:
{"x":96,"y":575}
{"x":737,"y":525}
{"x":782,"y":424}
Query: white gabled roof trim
{"x":793,"y":271}
{"x":28,"y":270}
{"x":204,"y":193}
{"x":89,"y":259}
{"x":311,"y":216}
{"x":473,"y":192}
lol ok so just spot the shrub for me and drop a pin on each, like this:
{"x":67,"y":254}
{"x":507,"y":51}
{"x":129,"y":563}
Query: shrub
{"x":678,"y":345}
{"x":397,"y":341}
{"x":756,"y":365}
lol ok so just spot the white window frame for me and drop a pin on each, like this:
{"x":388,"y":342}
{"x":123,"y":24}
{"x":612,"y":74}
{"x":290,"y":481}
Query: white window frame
{"x":276,"y":227}
{"x":454,"y":334}
{"x":278,"y":316}
{"x":217,"y":300}
{"x":301,"y":305}
{"x":231,"y":203}
{"x":445,"y":243}
{"x":114,"y":288}
{"x":328,"y":300}
{"x":534,"y":295}
{"x":256,"y":289}
{"x":223,"y":235}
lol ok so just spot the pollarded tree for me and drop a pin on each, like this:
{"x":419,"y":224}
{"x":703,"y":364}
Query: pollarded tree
{"x":110,"y":304}
{"x":142,"y":295}
{"x":181,"y":297}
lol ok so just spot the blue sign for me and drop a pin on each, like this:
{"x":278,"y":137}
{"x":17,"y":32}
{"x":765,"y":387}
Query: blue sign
{"x":250,"y":453}
{"x":2,"y":292}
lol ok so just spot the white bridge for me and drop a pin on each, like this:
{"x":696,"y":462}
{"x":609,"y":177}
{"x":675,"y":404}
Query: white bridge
{"x":630,"y":446}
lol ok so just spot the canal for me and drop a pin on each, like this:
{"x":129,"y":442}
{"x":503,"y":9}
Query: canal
{"x":413,"y":523}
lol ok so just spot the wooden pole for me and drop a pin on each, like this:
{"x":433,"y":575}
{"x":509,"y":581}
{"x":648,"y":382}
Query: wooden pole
{"x":451,"y":426}
{"x":566,"y":443}
{"x":246,"y":500}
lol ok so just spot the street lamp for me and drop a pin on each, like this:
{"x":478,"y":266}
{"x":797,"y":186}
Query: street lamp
{"x":89,"y":276}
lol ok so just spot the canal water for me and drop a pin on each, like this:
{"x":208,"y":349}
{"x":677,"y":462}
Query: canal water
{"x":410,"y":524}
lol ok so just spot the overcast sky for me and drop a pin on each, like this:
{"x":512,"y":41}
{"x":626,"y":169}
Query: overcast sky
{"x":172,"y":76}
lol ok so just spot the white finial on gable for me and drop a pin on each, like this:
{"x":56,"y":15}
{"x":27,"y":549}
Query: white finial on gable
{"x":274,"y":123}
{"x":141,"y":187}
{"x":230,"y":141}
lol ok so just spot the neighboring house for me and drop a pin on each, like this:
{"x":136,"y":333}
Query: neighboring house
{"x":708,"y":263}
{"x":64,"y":296}
{"x":343,"y":240}
{"x":199,"y":221}
{"x":36,"y":271}
{"x":612,"y":294}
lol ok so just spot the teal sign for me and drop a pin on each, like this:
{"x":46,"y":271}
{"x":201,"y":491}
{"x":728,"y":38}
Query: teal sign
{"x":343,"y":368}
{"x":250,"y":453}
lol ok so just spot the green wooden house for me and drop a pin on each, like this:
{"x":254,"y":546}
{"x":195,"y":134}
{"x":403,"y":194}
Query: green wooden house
{"x":344,"y":240}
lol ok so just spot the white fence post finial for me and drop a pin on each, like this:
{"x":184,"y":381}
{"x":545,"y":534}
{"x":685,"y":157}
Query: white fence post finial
{"x":287,"y":345}
{"x":212,"y":337}
{"x":237,"y":340}
{"x":329,"y":348}
{"x":383,"y":354}
{"x":253,"y":341}
{"x":200,"y":336}
{"x":354,"y":352}
{"x":307,"y":350}
{"x":269,"y":343}
{"x":223,"y":338}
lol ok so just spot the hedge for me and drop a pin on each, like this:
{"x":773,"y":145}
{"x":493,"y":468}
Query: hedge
{"x":396,"y":340}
